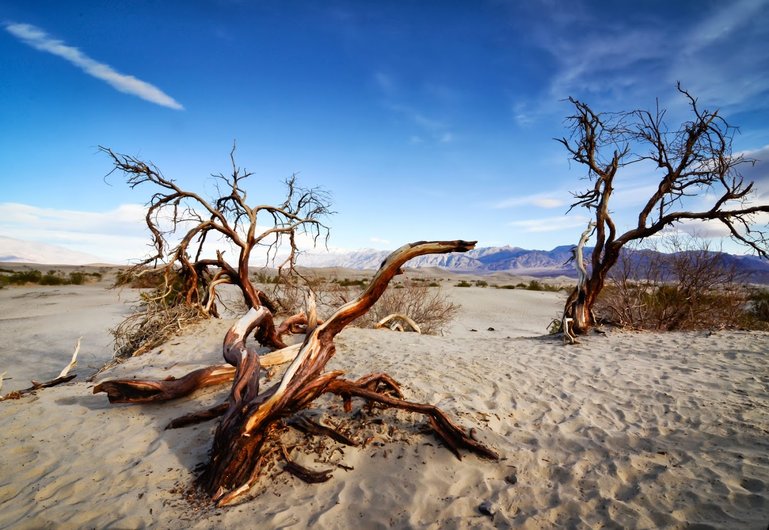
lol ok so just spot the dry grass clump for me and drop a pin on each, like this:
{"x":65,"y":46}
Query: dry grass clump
{"x":152,"y":326}
{"x":161,"y":312}
{"x":427,"y":306}
{"x":691,"y":288}
{"x":140,"y":278}
{"x":418,"y":300}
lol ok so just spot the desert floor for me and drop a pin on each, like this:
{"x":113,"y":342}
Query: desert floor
{"x":625,"y":430}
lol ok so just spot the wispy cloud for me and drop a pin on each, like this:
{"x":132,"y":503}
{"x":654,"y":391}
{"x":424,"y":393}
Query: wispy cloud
{"x":117,"y":235}
{"x":396,"y":94}
{"x":40,"y":40}
{"x":540,"y":200}
{"x":549,"y":224}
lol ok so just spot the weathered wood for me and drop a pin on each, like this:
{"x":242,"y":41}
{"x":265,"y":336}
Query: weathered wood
{"x":577,"y":316}
{"x":393,"y":322}
{"x":154,"y":390}
{"x":236,"y":455}
{"x":63,"y":377}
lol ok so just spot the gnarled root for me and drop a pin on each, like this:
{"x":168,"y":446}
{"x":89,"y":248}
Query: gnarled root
{"x":451,"y":434}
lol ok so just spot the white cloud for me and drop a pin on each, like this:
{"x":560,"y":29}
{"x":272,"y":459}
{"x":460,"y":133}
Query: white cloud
{"x":117,"y":235}
{"x":40,"y":40}
{"x":550,"y":224}
{"x":540,"y":200}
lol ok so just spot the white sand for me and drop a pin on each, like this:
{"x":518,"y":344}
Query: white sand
{"x":640,"y":430}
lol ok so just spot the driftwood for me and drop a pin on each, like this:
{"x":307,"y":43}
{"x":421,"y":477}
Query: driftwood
{"x":154,"y":390}
{"x":151,"y":390}
{"x":239,"y":446}
{"x":63,"y":377}
{"x":396,"y":322}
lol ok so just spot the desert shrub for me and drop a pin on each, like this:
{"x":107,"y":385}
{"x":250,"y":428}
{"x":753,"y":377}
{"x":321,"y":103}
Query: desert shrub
{"x":690,"y":288}
{"x":757,"y":309}
{"x":51,"y":278}
{"x":160,"y":313}
{"x":463,"y":283}
{"x":506,"y":286}
{"x":536,"y":285}
{"x":351,"y":283}
{"x":140,"y":278}
{"x":427,"y":307}
{"x":481,"y":283}
{"x":433,"y":284}
{"x":22,"y":277}
{"x":264,"y":277}
{"x":151,"y":326}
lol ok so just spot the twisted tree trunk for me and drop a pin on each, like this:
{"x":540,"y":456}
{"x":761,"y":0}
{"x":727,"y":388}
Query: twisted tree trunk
{"x":239,"y":443}
{"x":578,"y":314}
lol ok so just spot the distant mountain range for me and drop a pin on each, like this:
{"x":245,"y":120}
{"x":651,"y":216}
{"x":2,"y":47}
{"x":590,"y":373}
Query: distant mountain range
{"x":21,"y":251}
{"x":537,"y":263}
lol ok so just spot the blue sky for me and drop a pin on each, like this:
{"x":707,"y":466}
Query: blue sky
{"x":425,"y":120}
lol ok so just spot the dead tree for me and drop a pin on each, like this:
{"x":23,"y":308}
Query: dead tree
{"x":693,"y":160}
{"x":576,"y":302}
{"x":192,"y":271}
{"x":239,"y":442}
{"x":246,"y":436}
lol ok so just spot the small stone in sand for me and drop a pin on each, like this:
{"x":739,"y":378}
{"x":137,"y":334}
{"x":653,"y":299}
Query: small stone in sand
{"x":487,"y":508}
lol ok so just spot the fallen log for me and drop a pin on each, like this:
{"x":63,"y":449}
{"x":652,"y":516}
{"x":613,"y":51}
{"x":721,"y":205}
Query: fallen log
{"x":153,"y":390}
{"x":158,"y":390}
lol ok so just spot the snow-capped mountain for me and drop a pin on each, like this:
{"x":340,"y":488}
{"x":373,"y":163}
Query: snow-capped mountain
{"x":544,"y":263}
{"x":19,"y":251}
{"x":487,"y":259}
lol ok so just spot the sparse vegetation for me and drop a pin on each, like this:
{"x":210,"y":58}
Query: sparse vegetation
{"x":689,"y":288}
{"x":52,"y":277}
{"x":427,"y":307}
{"x":535,"y":285}
{"x":464,"y":283}
{"x":758,"y":309}
{"x":691,"y":159}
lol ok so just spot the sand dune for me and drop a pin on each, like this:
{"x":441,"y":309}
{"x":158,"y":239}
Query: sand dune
{"x":627,"y":430}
